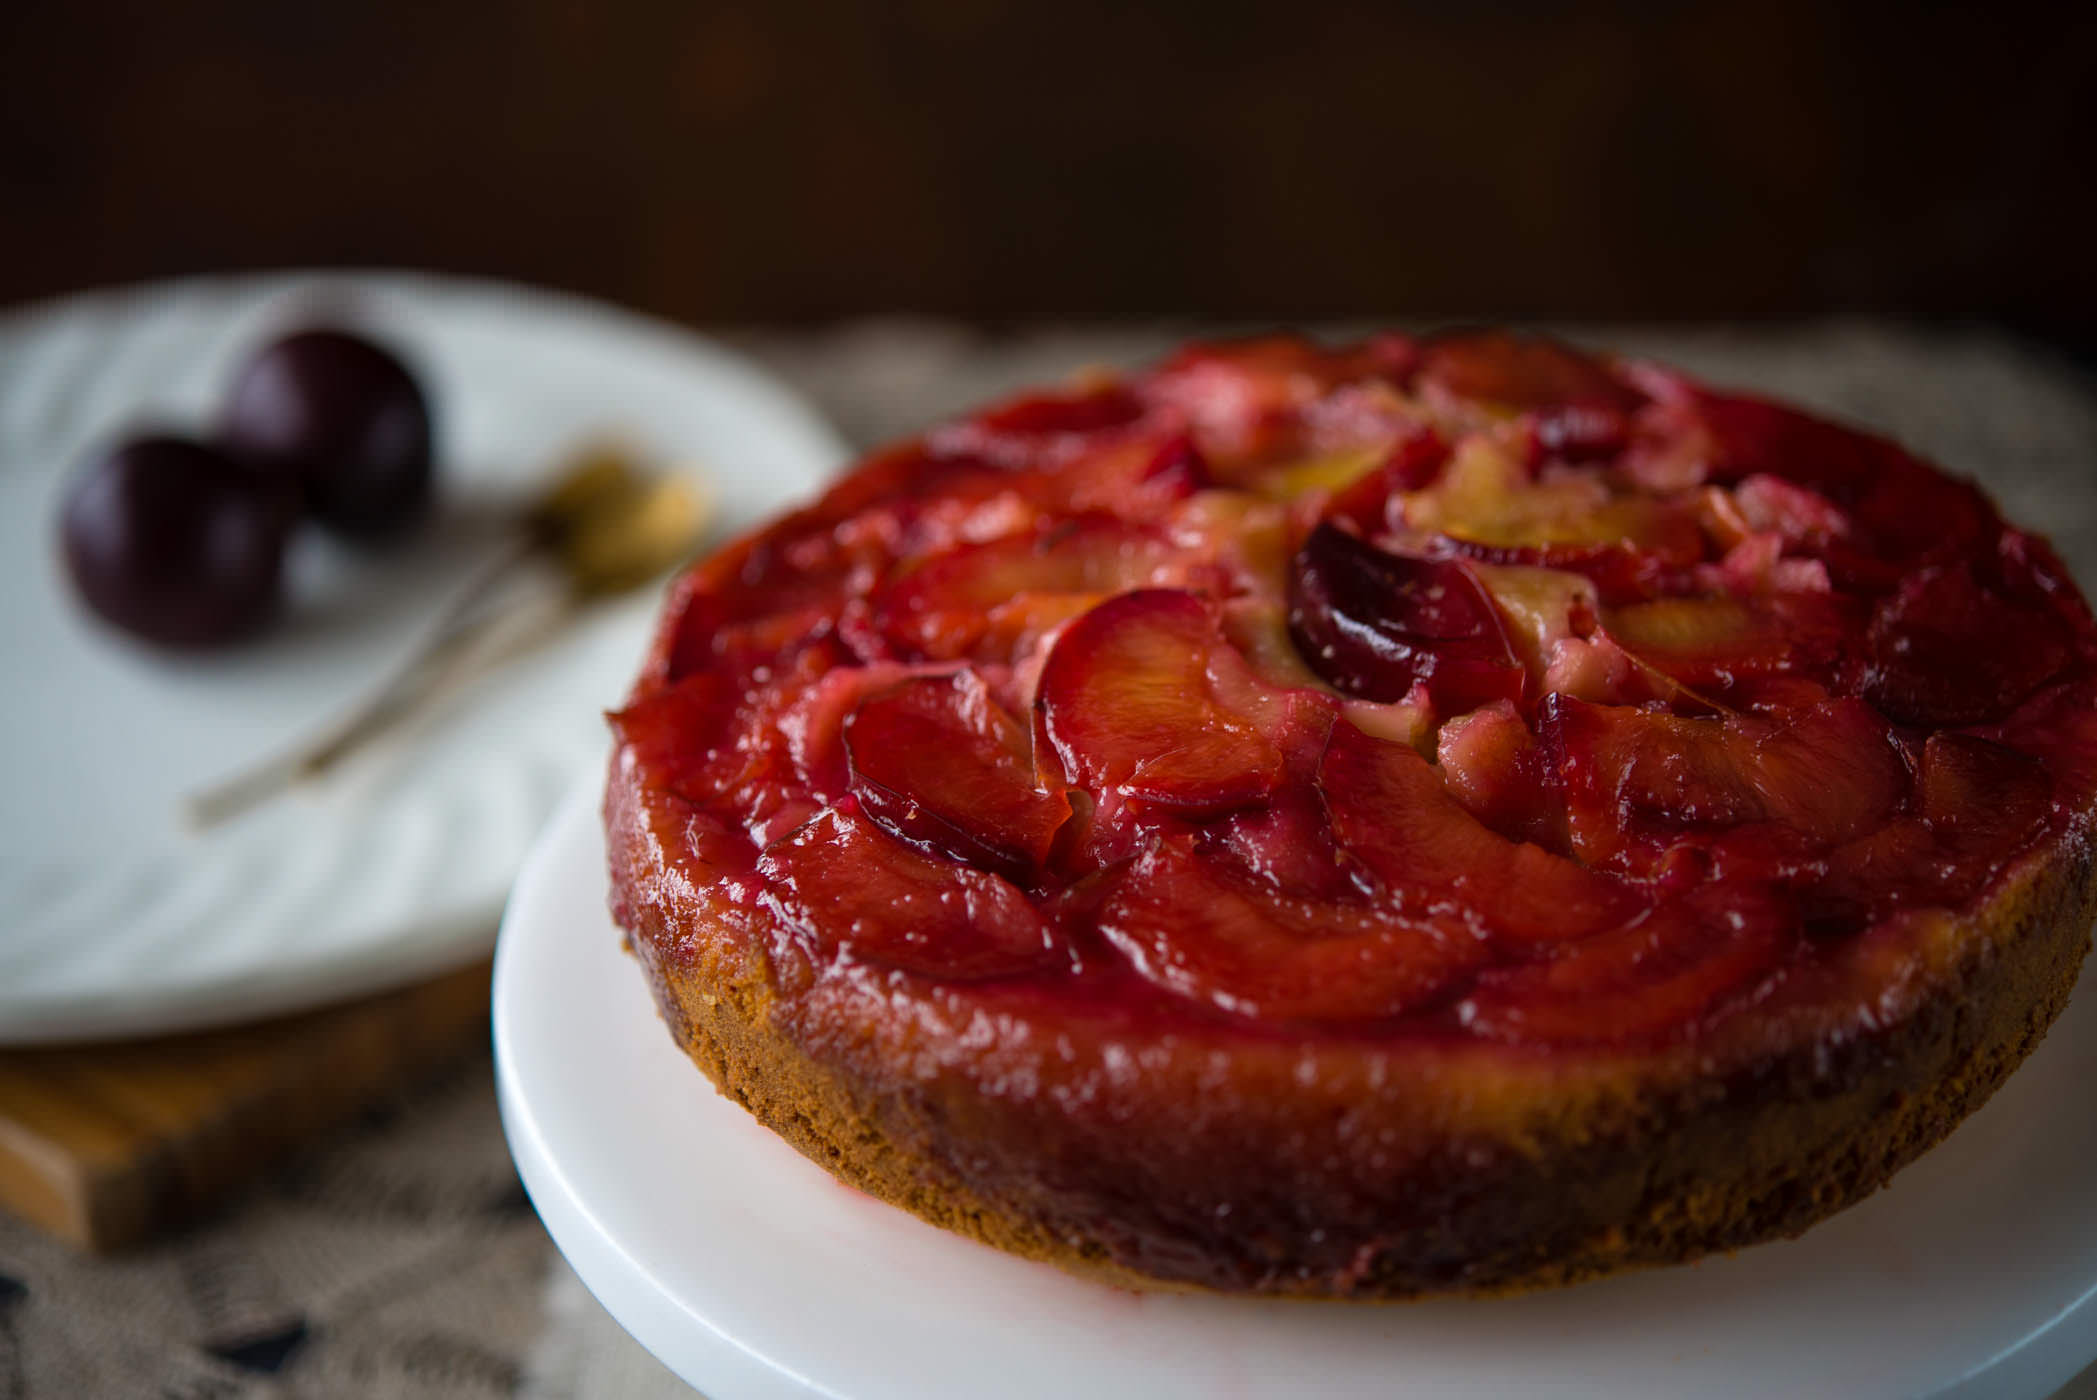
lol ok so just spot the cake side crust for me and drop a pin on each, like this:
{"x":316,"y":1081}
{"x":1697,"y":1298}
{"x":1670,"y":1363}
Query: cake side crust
{"x":1673,"y":1171}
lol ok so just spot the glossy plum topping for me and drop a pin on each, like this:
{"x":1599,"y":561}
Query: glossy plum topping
{"x":850,"y":886}
{"x":995,"y":598}
{"x":1128,"y":701}
{"x":1272,"y":954}
{"x":1714,"y":641}
{"x":1473,"y":688}
{"x":1947,"y":649}
{"x":1389,"y":808}
{"x":1829,"y":772}
{"x":1579,"y":409}
{"x":1373,"y":624}
{"x":1661,"y":969}
{"x":938,"y":761}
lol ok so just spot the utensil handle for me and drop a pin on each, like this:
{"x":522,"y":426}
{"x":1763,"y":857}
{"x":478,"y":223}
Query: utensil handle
{"x":410,"y":681}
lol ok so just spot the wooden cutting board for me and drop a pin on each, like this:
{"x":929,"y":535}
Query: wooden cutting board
{"x":105,"y":1144}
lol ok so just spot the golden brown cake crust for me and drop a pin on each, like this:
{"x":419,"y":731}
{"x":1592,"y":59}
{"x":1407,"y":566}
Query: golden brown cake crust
{"x":1708,"y":1162}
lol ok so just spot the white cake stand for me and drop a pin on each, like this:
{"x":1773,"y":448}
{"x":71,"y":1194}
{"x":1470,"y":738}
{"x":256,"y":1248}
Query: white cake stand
{"x":753,"y":1274}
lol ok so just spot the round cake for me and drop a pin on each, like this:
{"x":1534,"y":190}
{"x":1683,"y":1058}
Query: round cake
{"x":1448,"y":815}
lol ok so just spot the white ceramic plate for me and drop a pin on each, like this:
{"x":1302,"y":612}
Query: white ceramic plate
{"x":753,"y":1274}
{"x":113,"y":919}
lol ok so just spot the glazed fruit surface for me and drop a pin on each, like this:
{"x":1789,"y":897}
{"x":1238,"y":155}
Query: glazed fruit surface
{"x":1472,"y":690}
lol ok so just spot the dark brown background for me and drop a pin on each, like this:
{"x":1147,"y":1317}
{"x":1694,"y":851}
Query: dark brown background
{"x":804,"y":161}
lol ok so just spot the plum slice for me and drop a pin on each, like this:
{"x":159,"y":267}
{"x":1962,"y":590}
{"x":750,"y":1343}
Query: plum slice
{"x":1797,"y":514}
{"x":1630,"y":547}
{"x":2058,"y":726}
{"x":1077,"y":412}
{"x":1197,"y":928}
{"x":746,"y":606}
{"x":1752,"y":435}
{"x":992,"y":595}
{"x":1390,"y":809}
{"x":1944,"y":649}
{"x":1659,"y":973}
{"x":684,"y":734}
{"x":1829,"y":772}
{"x":1136,"y":478}
{"x":1244,"y":399}
{"x":1905,"y":512}
{"x":851,"y":887}
{"x":1127,"y":701}
{"x":1578,"y":407}
{"x":1286,"y":845}
{"x":767,"y":751}
{"x":1372,"y":623}
{"x":1089,"y":554}
{"x":1717,"y":640}
{"x":1131,"y":470}
{"x":1493,"y":765}
{"x":1488,"y":508}
{"x":1521,"y":371}
{"x":1540,"y":607}
{"x":1982,"y":798}
{"x":1411,"y":463}
{"x":1977,"y":804}
{"x":939,"y":762}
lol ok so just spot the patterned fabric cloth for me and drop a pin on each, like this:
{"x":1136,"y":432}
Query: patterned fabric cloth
{"x":402,"y":1259}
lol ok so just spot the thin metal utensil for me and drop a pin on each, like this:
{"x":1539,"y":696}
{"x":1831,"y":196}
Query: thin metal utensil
{"x":604,"y":526}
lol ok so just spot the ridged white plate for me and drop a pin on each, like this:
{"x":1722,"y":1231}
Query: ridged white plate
{"x":113,"y":919}
{"x":755,"y":1276}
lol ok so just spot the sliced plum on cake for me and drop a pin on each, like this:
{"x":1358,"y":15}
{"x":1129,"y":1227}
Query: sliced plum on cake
{"x":1660,"y":973}
{"x":710,"y":741}
{"x":1373,"y":500}
{"x":1089,"y":449}
{"x":1390,"y":810}
{"x":992,"y":598}
{"x":1949,"y":648}
{"x":1135,"y":478}
{"x":1574,"y":406}
{"x":682,"y":734}
{"x":1197,"y":924}
{"x":1489,"y":506}
{"x":2057,"y":726}
{"x":1900,"y":512}
{"x":1494,"y":765}
{"x":1713,"y":641}
{"x":1636,"y":780}
{"x":721,"y":627}
{"x":849,"y":886}
{"x":1128,"y":703}
{"x":1373,"y":624}
{"x":1977,"y":805}
{"x":939,"y":762}
{"x":769,"y":749}
{"x":1245,"y":400}
{"x":1051,"y":422}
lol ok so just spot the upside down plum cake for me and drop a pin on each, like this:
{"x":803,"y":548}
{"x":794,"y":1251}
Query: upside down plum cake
{"x":1428,"y":815}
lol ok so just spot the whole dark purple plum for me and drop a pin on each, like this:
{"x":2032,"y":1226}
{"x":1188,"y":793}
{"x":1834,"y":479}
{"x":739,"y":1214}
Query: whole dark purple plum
{"x":343,"y":418}
{"x":176,"y":543}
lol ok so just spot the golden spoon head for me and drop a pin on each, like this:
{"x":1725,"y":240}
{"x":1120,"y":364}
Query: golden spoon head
{"x":594,"y":475}
{"x":612,"y":525}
